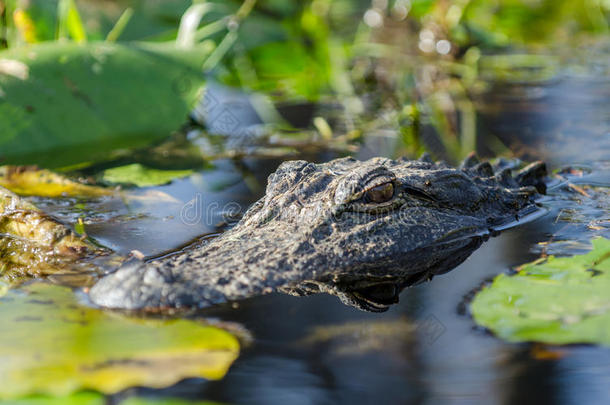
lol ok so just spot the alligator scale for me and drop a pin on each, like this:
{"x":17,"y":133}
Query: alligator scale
{"x":360,"y":230}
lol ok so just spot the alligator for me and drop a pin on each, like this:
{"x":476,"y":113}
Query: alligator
{"x":359,"y":230}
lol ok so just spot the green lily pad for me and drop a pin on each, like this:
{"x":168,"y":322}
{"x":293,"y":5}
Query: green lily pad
{"x":52,"y":345}
{"x":63,"y":103}
{"x":142,"y":176}
{"x":555,"y":300}
{"x":80,"y":398}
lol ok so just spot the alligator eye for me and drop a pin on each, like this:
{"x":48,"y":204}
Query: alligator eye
{"x":380,"y":194}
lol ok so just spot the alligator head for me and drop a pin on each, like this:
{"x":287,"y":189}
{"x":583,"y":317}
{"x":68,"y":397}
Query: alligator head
{"x":360,"y":230}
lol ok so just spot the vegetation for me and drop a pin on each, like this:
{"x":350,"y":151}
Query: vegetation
{"x":552,"y":300}
{"x":401,"y":65}
{"x":102,"y":91}
{"x":90,"y":349}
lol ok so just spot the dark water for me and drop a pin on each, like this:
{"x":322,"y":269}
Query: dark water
{"x":427,"y":349}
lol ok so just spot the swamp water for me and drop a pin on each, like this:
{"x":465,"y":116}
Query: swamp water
{"x":426,"y":349}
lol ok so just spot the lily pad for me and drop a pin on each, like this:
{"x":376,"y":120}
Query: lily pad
{"x":93,"y":398}
{"x":63,"y":103}
{"x":52,"y":345}
{"x":80,"y":398}
{"x":142,"y":176}
{"x":31,"y":181}
{"x":554,"y":300}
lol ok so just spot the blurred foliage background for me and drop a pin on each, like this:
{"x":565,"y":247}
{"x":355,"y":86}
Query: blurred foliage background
{"x":385,"y":64}
{"x":490,"y":24}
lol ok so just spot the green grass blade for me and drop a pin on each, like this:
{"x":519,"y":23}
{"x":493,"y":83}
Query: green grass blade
{"x":220,"y":51}
{"x":120,"y":25}
{"x":70,"y":22}
{"x":190,"y":23}
{"x":10,"y":32}
{"x":210,"y":29}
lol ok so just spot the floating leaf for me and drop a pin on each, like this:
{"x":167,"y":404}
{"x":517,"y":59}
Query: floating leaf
{"x":80,"y":398}
{"x":72,"y":103}
{"x":142,"y":176}
{"x":31,"y":181}
{"x":557,"y":300}
{"x":51,"y":345}
{"x":92,"y":398}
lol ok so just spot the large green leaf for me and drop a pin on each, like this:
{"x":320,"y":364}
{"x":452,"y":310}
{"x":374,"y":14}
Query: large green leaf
{"x":558,"y":300}
{"x":64,"y":103}
{"x":50,"y":344}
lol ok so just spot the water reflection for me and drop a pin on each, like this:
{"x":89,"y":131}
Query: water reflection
{"x":551,"y":126}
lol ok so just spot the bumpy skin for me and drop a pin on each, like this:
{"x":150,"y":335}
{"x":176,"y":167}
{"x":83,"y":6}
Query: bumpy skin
{"x":318,"y":230}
